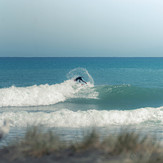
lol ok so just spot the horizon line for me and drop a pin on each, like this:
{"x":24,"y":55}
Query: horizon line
{"x":79,"y":57}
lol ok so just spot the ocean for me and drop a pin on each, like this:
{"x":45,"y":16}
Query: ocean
{"x":120,"y":93}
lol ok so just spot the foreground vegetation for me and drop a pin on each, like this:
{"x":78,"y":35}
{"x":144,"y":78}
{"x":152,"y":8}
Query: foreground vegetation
{"x":126,"y":147}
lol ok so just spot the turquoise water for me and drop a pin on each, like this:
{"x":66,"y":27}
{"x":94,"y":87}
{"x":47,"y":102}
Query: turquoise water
{"x":120,"y":92}
{"x":143,"y":72}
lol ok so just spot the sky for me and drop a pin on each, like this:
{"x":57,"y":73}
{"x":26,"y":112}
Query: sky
{"x":81,"y":28}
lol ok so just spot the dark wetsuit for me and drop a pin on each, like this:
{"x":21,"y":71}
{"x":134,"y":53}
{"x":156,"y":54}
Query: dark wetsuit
{"x":80,"y":79}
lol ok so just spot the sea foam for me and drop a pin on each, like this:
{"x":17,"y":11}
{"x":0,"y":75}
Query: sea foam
{"x":89,"y":118}
{"x":44,"y":94}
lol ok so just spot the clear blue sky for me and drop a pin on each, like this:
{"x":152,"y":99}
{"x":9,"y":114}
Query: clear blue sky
{"x":110,"y":28}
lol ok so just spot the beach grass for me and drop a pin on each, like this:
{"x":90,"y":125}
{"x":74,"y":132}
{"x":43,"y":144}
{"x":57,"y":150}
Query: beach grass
{"x":123,"y":147}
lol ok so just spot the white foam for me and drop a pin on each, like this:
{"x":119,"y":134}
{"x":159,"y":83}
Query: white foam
{"x":44,"y":94}
{"x":68,"y":118}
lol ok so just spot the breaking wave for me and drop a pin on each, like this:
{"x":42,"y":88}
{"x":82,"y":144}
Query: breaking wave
{"x":104,"y":97}
{"x":44,"y":94}
{"x":89,"y":118}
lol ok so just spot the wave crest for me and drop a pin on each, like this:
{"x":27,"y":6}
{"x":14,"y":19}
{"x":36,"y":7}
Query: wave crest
{"x":44,"y":94}
{"x":90,"y":118}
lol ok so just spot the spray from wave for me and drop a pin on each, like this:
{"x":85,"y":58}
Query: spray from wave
{"x":80,"y":72}
{"x":47,"y":94}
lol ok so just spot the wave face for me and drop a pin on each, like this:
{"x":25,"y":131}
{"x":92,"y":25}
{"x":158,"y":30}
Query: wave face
{"x":130,"y":96}
{"x":66,"y":118}
{"x":123,"y":97}
{"x":101,"y":97}
{"x":44,"y":94}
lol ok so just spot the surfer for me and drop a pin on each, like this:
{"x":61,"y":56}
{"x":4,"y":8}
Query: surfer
{"x":80,"y":79}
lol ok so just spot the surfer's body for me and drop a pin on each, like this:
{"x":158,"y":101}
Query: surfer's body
{"x":80,"y":79}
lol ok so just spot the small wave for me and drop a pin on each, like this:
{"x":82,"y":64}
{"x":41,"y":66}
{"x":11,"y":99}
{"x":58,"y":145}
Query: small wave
{"x":44,"y":94}
{"x":66,"y":118}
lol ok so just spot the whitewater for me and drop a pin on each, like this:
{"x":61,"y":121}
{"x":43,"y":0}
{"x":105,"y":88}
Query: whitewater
{"x":25,"y":106}
{"x":90,"y":118}
{"x":120,"y":92}
{"x":42,"y":94}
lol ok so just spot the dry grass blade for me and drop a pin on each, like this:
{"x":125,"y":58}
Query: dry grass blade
{"x":38,"y":143}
